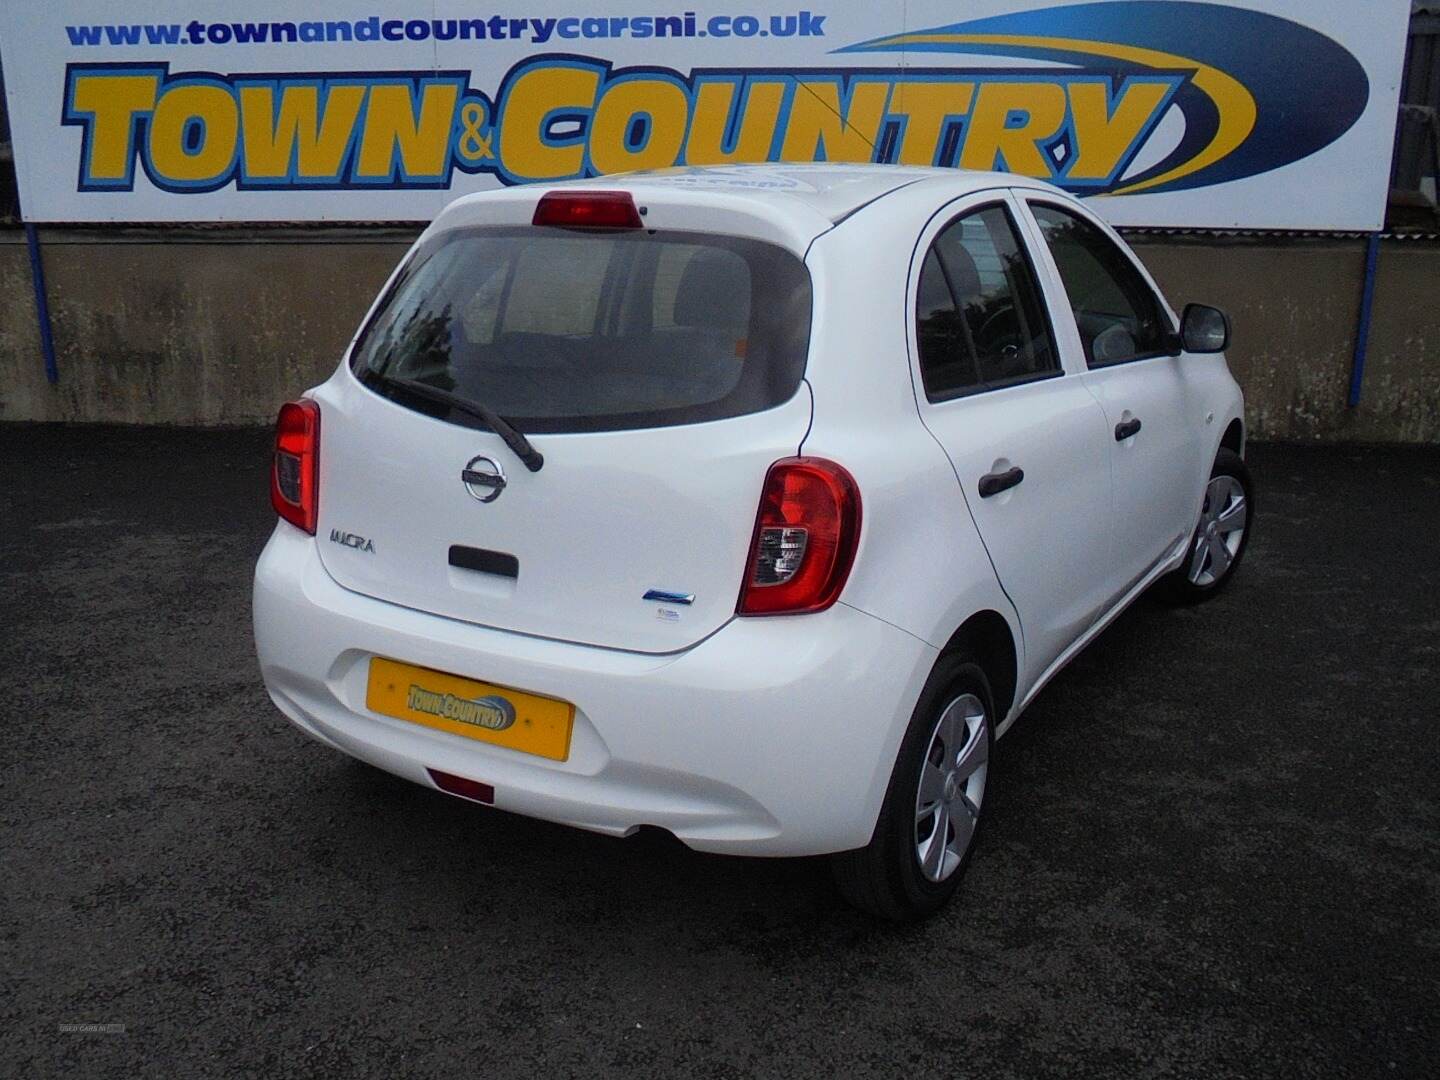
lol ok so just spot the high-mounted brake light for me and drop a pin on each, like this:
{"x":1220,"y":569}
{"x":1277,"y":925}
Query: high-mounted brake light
{"x":805,"y":538}
{"x":295,"y":475}
{"x":588,"y":210}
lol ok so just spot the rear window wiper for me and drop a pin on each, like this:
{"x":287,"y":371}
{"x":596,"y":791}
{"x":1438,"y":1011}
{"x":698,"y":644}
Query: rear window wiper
{"x":513,"y":438}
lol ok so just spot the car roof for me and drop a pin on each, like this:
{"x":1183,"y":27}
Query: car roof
{"x":834,"y":191}
{"x":786,"y":204}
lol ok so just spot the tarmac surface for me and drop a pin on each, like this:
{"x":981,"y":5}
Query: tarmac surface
{"x":1212,"y":845}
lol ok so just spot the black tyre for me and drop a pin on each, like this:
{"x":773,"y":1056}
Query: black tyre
{"x":1219,"y":541}
{"x":926,"y":832}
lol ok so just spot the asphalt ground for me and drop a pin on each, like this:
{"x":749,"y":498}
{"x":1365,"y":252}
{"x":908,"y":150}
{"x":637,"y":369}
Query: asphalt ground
{"x":1212,"y":847}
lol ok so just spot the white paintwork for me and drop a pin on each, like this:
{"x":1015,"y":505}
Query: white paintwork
{"x":755,"y":735}
{"x":1050,"y":548}
{"x":611,"y":515}
{"x":1154,"y":472}
{"x":704,"y":742}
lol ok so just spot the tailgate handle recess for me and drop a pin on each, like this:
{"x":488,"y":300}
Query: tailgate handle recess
{"x":485,"y":561}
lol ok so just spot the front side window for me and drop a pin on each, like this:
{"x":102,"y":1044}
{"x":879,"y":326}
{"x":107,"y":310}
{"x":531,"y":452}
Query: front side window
{"x":1118,"y":314}
{"x":564,"y":331}
{"x":979,"y":322}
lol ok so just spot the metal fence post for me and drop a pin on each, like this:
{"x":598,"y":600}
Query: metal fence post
{"x":42,"y":306}
{"x":1362,"y":327}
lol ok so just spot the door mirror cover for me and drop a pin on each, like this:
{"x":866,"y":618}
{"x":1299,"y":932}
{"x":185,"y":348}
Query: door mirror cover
{"x":1204,"y":329}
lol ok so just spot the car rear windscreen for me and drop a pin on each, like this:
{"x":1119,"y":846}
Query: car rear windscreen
{"x":567,"y":331}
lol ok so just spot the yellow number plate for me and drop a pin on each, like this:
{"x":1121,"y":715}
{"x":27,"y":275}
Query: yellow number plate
{"x":476,"y":710}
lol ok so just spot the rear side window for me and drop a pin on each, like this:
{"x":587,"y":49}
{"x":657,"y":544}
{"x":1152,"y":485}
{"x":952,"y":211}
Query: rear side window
{"x":979,"y":320}
{"x":563,"y":331}
{"x":1118,"y":314}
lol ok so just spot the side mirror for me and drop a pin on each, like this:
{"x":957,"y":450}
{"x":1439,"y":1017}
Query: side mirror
{"x":1204,"y":329}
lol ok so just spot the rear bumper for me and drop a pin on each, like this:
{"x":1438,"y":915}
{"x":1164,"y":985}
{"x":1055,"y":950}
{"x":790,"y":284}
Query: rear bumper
{"x":771,"y":737}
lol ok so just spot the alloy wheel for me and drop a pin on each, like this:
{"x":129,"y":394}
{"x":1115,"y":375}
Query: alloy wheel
{"x":952,"y":787}
{"x":1221,"y":530}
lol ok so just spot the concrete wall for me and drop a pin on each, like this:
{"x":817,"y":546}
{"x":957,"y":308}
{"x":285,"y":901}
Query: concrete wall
{"x":212,"y":327}
{"x":1293,"y":305}
{"x":207,"y":328}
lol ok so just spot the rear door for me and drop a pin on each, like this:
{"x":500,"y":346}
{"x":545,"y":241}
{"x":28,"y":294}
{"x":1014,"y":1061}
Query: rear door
{"x":1027,"y":439}
{"x":1123,"y":335}
{"x":659,"y":373}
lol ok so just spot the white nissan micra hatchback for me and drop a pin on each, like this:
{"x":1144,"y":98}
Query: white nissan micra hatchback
{"x":749,"y":503}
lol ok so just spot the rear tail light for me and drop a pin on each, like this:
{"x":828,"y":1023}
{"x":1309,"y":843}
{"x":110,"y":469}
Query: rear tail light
{"x":588,"y":210}
{"x":295,"y":475}
{"x":805,"y":538}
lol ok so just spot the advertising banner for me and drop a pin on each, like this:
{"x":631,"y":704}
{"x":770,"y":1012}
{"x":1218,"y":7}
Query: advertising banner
{"x":1248,"y":113}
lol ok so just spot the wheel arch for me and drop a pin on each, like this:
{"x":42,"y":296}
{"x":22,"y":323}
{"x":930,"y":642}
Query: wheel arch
{"x":1234,"y":437}
{"x":987,"y":637}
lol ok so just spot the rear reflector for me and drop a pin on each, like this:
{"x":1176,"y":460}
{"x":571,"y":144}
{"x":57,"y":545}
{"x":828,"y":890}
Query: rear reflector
{"x":295,"y":474}
{"x":805,"y":538}
{"x":459,"y":785}
{"x":588,"y":210}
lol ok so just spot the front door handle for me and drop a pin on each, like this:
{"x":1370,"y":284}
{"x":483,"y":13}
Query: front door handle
{"x":1126,"y":428}
{"x":996,"y":482}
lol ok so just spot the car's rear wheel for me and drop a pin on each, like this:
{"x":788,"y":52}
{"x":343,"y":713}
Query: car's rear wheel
{"x":1219,"y":541}
{"x":932,"y":810}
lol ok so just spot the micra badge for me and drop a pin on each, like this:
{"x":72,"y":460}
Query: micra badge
{"x":352,"y":540}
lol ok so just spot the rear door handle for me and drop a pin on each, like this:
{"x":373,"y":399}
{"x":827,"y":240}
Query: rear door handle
{"x":996,"y":482}
{"x":1126,"y":428}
